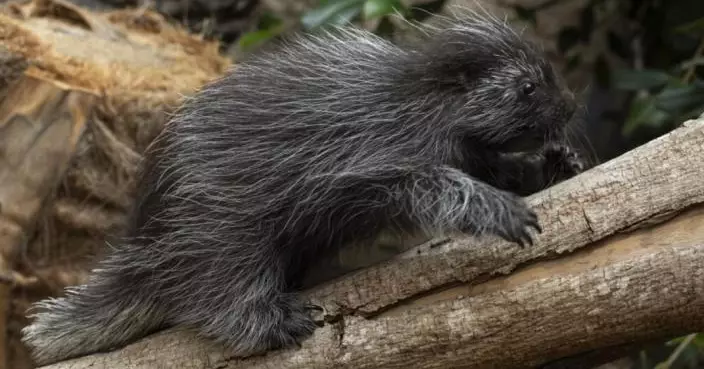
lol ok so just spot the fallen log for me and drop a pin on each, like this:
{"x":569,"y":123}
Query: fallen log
{"x":81,"y":95}
{"x":619,"y":261}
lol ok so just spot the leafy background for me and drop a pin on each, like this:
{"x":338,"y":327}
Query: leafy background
{"x":651,"y":62}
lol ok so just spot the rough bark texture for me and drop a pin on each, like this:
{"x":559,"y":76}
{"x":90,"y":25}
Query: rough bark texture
{"x":619,"y":261}
{"x":81,"y":95}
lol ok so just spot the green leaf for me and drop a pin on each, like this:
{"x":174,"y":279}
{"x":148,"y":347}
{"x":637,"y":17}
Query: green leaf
{"x":633,"y":80}
{"x":269,"y":20}
{"x":694,"y":62}
{"x":332,"y":12}
{"x":345,"y":16}
{"x":692,"y":114}
{"x":251,"y":40}
{"x":423,"y":11}
{"x":568,"y":37}
{"x":675,"y":341}
{"x":378,"y":8}
{"x":695,"y":27}
{"x":675,"y":98}
{"x":643,"y":112}
{"x":699,"y":340}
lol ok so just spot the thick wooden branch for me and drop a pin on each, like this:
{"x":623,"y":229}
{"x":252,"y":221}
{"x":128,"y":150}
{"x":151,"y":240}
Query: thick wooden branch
{"x":619,"y":261}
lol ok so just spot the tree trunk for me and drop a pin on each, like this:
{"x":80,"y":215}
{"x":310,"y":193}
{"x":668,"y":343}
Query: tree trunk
{"x":619,"y":261}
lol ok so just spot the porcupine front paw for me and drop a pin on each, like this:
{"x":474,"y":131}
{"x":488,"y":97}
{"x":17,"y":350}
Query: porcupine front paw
{"x":510,"y":218}
{"x":561,"y":162}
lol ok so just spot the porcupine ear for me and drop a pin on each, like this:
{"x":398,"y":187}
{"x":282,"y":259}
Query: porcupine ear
{"x":449,"y":64}
{"x":460,"y":66}
{"x":447,"y":57}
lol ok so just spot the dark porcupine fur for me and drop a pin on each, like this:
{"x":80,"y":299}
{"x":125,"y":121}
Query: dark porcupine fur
{"x":321,"y":141}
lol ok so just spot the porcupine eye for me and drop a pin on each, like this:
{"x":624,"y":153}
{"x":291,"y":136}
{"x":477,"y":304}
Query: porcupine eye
{"x":528,"y":88}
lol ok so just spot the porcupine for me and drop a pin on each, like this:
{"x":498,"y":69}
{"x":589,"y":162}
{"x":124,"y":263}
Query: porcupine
{"x":324,"y":139}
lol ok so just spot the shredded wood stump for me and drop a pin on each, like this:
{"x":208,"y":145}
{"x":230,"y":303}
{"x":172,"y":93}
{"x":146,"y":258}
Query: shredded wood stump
{"x":81,"y":96}
{"x":619,"y":262}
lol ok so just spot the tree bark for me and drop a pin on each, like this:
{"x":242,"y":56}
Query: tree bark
{"x":619,"y":261}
